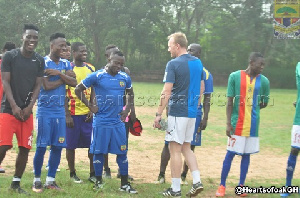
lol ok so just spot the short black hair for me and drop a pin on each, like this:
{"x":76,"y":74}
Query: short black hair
{"x":254,"y":55}
{"x":68,"y":43}
{"x":119,"y":53}
{"x":110,"y":46}
{"x":9,"y":46}
{"x":57,"y":35}
{"x":75,"y":46}
{"x":30,"y":27}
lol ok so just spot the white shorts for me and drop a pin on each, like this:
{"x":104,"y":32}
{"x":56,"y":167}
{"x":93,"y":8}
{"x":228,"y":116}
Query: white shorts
{"x":243,"y":145}
{"x":295,"y":136}
{"x":180,"y":129}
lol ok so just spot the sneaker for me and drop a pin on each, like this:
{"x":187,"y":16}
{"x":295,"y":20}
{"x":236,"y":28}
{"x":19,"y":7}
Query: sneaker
{"x":76,"y":179}
{"x":19,"y":190}
{"x":98,"y":185}
{"x":2,"y":170}
{"x":221,"y":191}
{"x":170,"y":193}
{"x":107,"y":174}
{"x":37,"y":187}
{"x":52,"y":186}
{"x":243,"y":194}
{"x":93,"y":179}
{"x":195,"y":190}
{"x":161,"y":179}
{"x":128,"y":188}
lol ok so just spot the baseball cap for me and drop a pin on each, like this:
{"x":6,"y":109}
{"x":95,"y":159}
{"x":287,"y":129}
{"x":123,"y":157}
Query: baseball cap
{"x":135,"y":128}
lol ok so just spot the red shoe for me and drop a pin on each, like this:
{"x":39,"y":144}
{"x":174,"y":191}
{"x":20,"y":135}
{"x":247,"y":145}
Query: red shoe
{"x":221,"y":191}
{"x":244,"y":194}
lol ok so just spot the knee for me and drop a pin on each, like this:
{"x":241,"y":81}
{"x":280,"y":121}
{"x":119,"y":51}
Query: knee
{"x":294,"y":151}
{"x":23,"y":150}
{"x":122,"y":159}
{"x":5,"y":148}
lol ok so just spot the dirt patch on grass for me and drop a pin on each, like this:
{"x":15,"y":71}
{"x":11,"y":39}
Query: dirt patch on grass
{"x":144,"y":158}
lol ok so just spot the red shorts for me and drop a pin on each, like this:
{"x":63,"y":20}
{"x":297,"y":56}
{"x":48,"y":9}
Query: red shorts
{"x":10,"y":125}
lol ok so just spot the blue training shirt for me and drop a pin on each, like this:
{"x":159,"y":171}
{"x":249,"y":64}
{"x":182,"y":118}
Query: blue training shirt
{"x":185,"y":72}
{"x":109,"y":92}
{"x":53,"y":100}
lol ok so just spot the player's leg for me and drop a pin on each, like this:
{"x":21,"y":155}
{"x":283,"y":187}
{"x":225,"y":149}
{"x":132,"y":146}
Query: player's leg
{"x":7,"y":129}
{"x":185,"y":167}
{"x":92,"y":177}
{"x":106,"y":173}
{"x":244,"y":168}
{"x":130,"y":178}
{"x":164,"y":160}
{"x":38,"y":161}
{"x":24,"y":137}
{"x":291,"y":163}
{"x":58,"y":142}
{"x":224,"y":173}
{"x":98,"y":166}
{"x":54,"y":161}
{"x":73,"y":139}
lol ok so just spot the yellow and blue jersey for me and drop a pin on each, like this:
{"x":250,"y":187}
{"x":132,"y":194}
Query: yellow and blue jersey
{"x":76,"y":107}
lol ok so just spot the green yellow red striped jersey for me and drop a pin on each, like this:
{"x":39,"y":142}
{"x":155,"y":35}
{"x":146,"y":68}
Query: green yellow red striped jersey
{"x":248,"y":94}
{"x":76,"y":107}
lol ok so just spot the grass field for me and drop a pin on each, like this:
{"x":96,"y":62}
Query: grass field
{"x":267,"y":168}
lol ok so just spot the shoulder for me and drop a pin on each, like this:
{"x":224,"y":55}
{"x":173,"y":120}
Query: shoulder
{"x":236,"y":73}
{"x":12,"y":53}
{"x":90,"y":67}
{"x":264,"y":79}
{"x":99,"y":73}
{"x":124,"y":75}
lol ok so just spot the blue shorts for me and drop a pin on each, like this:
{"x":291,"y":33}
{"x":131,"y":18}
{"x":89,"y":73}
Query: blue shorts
{"x":197,"y":133}
{"x":51,"y":130}
{"x":80,"y":135}
{"x":109,"y":139}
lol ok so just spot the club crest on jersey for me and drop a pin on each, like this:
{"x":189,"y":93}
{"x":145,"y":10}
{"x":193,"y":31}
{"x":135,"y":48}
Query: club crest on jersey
{"x":122,"y":84}
{"x":123,"y":147}
{"x":61,"y":140}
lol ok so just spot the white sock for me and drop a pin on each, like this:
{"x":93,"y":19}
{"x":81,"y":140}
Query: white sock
{"x":49,"y":180}
{"x":16,"y":179}
{"x":196,"y":176}
{"x":36,"y":179}
{"x":176,"y":184}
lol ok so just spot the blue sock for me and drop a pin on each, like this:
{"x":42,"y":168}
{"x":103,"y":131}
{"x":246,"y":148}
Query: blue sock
{"x":54,"y":160}
{"x":38,"y":161}
{"x":290,"y":169}
{"x":226,"y":167}
{"x":123,"y":164}
{"x":98,"y":164}
{"x":244,"y":168}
